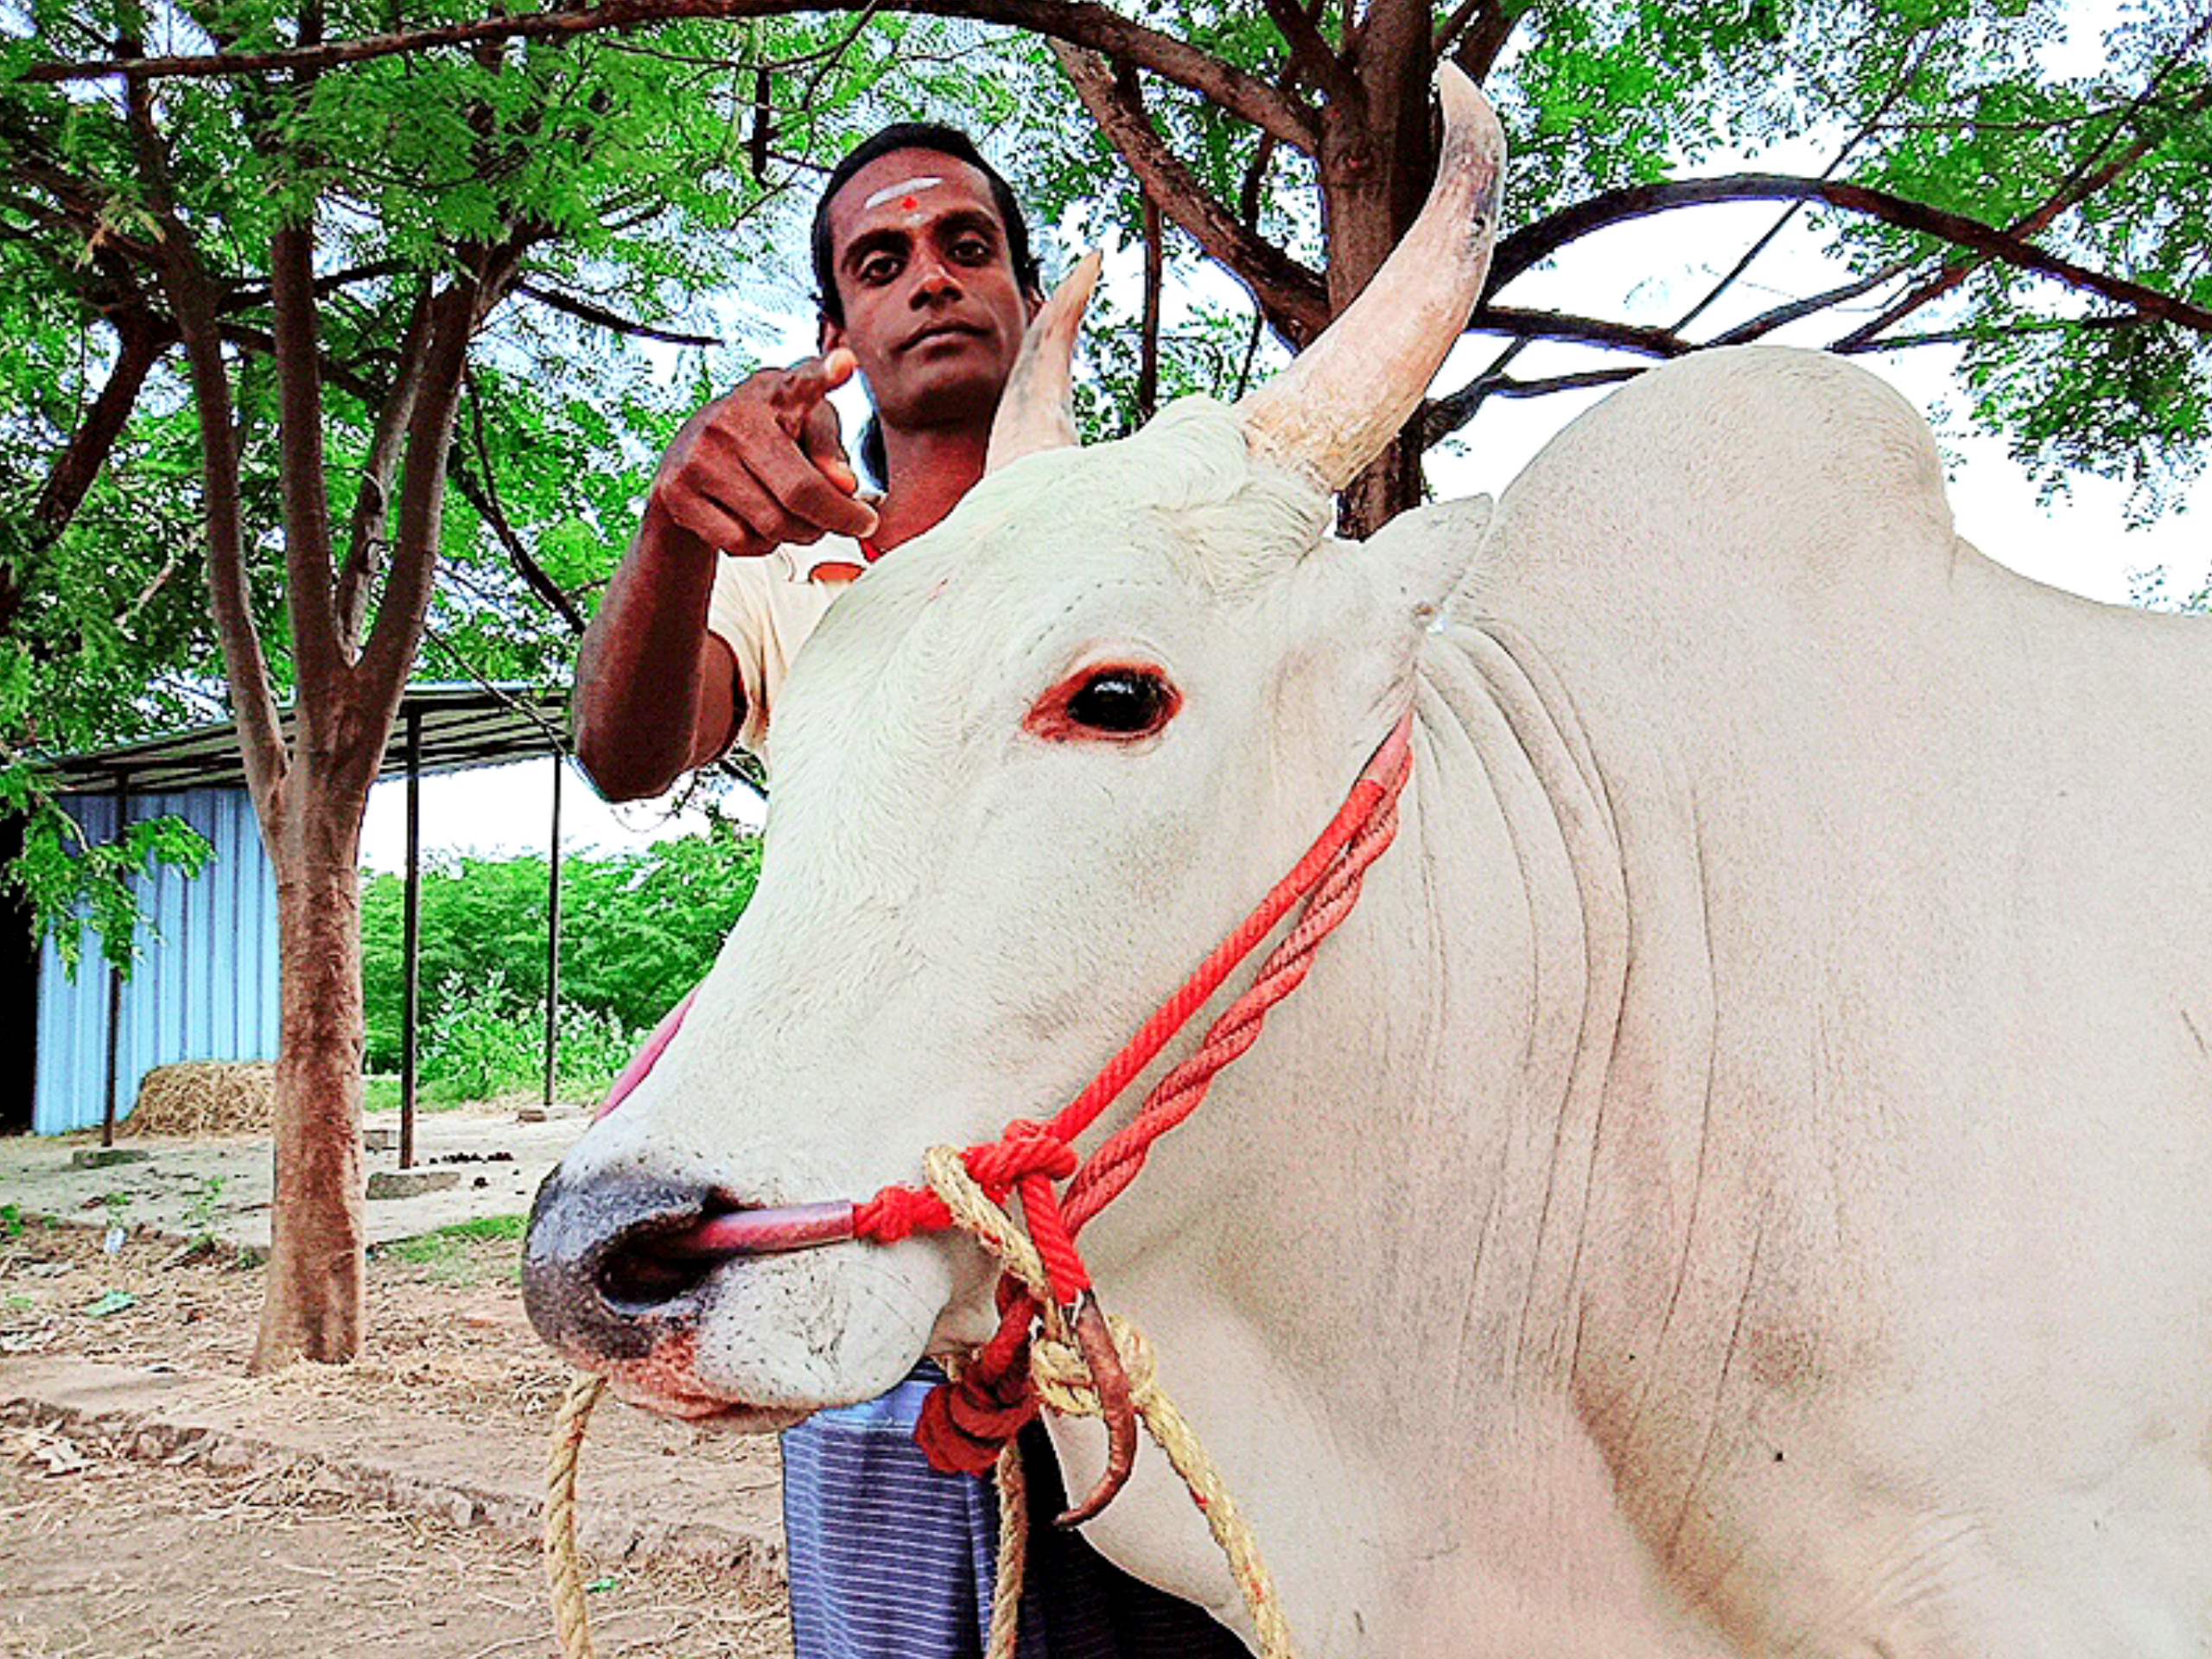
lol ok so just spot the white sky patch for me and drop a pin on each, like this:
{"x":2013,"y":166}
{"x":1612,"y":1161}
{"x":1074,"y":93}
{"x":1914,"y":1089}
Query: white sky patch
{"x":911,"y":187}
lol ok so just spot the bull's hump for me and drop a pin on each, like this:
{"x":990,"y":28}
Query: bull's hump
{"x":1745,"y":464}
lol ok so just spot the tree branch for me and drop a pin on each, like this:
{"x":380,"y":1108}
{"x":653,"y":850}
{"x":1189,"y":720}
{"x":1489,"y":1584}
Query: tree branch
{"x":390,"y":650}
{"x":599,"y":317}
{"x":1312,"y":55}
{"x":368,"y":541}
{"x":1446,"y":416}
{"x":248,"y":293}
{"x":1477,"y":32}
{"x":1294,"y":298}
{"x":192,"y":302}
{"x":1585,"y":331}
{"x":485,"y":497}
{"x":140,"y":342}
{"x":1079,"y":22}
{"x":1533,"y":243}
{"x":1155,"y":267}
{"x":1781,"y":316}
{"x":405,"y":607}
{"x":319,"y":663}
{"x":1900,"y":81}
{"x":2072,"y":193}
{"x":141,"y":339}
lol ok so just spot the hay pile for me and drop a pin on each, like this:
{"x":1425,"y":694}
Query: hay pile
{"x":204,"y":1097}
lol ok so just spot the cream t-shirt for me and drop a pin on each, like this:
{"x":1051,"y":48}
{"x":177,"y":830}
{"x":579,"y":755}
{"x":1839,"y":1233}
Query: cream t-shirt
{"x":763,"y":608}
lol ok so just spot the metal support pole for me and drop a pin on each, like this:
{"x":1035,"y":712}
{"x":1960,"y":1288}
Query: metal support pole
{"x":553,"y":936}
{"x":115,"y":984}
{"x":411,"y":975}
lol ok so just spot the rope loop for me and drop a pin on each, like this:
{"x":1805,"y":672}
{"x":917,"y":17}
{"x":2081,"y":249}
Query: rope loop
{"x":1063,"y":1380}
{"x":1028,"y":1148}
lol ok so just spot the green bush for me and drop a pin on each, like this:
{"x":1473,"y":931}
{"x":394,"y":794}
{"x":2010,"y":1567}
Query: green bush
{"x":478,"y":1040}
{"x":638,"y":930}
{"x":483,"y":1039}
{"x":594,"y":1047}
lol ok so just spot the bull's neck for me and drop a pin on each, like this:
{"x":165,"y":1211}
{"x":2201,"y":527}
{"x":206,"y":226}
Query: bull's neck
{"x":1435,"y":1085}
{"x":1513,"y":879}
{"x":1396,"y":1183}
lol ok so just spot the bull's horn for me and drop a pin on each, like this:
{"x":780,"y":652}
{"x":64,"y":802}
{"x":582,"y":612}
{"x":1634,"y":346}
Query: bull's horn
{"x":1335,"y":408}
{"x":1037,"y":409}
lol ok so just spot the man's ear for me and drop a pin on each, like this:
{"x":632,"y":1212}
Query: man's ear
{"x":828,"y":336}
{"x":1031,"y":303}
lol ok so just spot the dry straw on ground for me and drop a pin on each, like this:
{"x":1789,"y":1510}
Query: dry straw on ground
{"x":204,"y":1097}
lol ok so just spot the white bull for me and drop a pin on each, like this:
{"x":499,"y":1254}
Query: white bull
{"x":1739,"y":1183}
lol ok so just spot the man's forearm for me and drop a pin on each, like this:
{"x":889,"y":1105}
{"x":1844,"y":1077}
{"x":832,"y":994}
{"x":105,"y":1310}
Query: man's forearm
{"x":638,"y":674}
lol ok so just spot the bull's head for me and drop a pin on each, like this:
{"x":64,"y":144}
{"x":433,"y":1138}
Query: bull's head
{"x":1028,"y":773}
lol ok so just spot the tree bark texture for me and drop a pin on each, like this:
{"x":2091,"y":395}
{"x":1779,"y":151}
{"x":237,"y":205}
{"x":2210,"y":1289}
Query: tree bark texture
{"x":314,"y":1302}
{"x":1376,"y":159}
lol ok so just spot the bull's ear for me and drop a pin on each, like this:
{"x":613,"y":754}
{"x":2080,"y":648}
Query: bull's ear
{"x":1426,"y":554}
{"x":1037,"y":409}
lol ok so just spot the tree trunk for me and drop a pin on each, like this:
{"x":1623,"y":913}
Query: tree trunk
{"x":313,"y":1306}
{"x":1378,"y":156}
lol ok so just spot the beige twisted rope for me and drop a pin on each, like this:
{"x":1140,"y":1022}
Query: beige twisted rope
{"x":1063,"y":1384}
{"x":564,"y":1569}
{"x":1014,"y":1552}
{"x":1063,"y":1381}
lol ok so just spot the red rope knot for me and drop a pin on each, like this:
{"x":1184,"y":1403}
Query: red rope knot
{"x":898,"y":1212}
{"x":1028,"y":1149}
{"x":965,"y":1424}
{"x":1028,"y":1159}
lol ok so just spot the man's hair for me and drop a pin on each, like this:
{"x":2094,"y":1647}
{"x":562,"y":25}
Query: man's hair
{"x":943,"y":141}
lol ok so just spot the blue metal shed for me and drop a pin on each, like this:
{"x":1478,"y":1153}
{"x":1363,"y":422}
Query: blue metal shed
{"x":205,"y":987}
{"x":206,"y":984}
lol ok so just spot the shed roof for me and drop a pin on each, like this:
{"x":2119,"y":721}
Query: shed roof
{"x":461,"y":725}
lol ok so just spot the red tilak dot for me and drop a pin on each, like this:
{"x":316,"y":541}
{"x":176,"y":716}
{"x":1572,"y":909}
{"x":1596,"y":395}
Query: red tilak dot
{"x":907,"y":204}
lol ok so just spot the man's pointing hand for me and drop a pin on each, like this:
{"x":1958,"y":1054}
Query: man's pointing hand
{"x":764,"y":465}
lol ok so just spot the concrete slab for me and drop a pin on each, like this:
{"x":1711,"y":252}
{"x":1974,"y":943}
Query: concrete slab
{"x":223,"y":1185}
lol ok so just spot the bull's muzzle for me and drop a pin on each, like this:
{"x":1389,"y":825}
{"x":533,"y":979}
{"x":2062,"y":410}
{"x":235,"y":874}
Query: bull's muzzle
{"x":598,"y":1281}
{"x":612,"y":1265}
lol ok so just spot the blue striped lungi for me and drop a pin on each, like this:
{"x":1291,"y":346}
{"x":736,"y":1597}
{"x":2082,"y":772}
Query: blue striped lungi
{"x":891,"y":1560}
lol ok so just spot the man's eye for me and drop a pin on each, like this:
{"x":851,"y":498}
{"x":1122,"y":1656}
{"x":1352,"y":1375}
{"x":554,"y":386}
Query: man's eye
{"x":972,"y":250}
{"x":878,"y":269}
{"x":1123,"y":702}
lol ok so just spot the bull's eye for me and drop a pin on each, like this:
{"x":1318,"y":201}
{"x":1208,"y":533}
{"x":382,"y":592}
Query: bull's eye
{"x":1123,"y":702}
{"x":1117,"y":701}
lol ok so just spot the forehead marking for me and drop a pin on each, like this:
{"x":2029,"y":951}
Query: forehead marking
{"x":905,"y":187}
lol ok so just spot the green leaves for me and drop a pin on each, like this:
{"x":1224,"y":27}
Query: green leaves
{"x":639,"y":930}
{"x":73,"y":883}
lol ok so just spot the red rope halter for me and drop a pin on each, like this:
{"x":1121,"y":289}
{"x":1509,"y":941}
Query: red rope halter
{"x":964,"y":1426}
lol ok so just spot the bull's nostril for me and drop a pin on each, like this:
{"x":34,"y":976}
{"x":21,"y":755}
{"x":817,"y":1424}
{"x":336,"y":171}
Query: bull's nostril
{"x":610,"y":1264}
{"x":605,"y":1266}
{"x":652,"y":1269}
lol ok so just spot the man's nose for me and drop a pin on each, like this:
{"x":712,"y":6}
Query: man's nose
{"x":935,"y":282}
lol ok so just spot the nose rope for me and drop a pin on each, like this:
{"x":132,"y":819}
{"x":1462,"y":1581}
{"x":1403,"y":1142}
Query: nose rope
{"x":1079,"y":1360}
{"x":1029,"y":1156}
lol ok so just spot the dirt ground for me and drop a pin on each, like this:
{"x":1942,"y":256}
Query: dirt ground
{"x":103,"y":1554}
{"x":116,"y":1557}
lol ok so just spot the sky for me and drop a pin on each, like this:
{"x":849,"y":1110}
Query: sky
{"x":2080,"y":542}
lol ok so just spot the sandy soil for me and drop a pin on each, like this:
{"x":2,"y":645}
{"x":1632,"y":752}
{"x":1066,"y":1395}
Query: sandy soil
{"x":105,"y":1555}
{"x":115,"y":1557}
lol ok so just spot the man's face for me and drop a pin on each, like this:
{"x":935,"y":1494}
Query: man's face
{"x":932,"y":310}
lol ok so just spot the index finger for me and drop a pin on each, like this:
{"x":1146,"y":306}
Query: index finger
{"x":816,"y":378}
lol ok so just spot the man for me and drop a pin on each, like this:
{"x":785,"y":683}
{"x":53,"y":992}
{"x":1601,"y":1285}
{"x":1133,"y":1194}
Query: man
{"x":926,"y":282}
